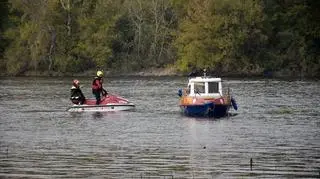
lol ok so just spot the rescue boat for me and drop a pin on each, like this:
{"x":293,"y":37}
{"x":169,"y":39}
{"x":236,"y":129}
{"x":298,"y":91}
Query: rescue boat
{"x":203,"y":97}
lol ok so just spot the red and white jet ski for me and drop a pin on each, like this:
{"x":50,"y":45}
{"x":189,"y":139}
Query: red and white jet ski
{"x":109,"y":102}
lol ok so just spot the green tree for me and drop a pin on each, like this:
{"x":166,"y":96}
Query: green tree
{"x":214,"y":33}
{"x":144,"y":35}
{"x":238,"y":36}
{"x":294,"y":37}
{"x":27,"y":37}
{"x":96,"y":24}
{"x":4,"y":23}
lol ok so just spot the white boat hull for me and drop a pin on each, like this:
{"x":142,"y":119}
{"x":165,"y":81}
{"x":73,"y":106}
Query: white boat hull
{"x":101,"y":108}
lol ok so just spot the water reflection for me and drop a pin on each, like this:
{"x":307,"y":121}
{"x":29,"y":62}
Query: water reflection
{"x":97,"y":115}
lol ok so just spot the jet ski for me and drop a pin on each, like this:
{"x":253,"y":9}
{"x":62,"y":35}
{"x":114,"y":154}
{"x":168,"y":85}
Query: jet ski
{"x":108,"y":102}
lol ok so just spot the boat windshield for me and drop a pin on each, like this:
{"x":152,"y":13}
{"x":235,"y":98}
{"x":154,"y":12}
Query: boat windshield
{"x":213,"y":87}
{"x":199,"y":87}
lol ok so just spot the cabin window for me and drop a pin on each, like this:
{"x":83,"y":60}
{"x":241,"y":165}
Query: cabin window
{"x":188,"y":89}
{"x":213,"y":87}
{"x":199,"y":88}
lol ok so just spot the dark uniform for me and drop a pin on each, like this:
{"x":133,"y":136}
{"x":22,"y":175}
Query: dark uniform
{"x":77,"y":96}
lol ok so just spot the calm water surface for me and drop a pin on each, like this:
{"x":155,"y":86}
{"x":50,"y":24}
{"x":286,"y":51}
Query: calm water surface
{"x":277,"y":125}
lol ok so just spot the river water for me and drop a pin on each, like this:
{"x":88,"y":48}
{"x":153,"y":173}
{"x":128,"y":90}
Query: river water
{"x":276,"y":126}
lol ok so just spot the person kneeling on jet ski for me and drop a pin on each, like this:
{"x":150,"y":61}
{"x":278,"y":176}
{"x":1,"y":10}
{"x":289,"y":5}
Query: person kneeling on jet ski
{"x":77,"y":96}
{"x":97,"y":88}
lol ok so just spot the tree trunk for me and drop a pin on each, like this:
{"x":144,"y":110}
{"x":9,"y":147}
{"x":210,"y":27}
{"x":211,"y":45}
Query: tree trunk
{"x":52,"y":46}
{"x":68,"y":9}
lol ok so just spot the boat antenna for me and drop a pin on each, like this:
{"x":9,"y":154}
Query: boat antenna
{"x":204,"y":73}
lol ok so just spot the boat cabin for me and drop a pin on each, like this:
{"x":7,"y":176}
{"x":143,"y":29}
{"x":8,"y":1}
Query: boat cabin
{"x":205,"y":87}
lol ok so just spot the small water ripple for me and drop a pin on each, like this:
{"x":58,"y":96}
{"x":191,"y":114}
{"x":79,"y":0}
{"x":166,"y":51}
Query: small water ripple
{"x":277,"y":127}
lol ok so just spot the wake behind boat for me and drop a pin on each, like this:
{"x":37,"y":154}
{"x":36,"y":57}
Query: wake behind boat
{"x":109,"y":102}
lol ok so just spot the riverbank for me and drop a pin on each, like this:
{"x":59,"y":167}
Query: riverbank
{"x":148,"y":72}
{"x":170,"y":71}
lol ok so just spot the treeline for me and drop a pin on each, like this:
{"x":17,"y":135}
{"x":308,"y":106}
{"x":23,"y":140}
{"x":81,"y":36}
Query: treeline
{"x":225,"y":36}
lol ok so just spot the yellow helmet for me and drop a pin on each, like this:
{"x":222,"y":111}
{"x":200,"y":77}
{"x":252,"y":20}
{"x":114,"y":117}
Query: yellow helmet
{"x":99,"y":73}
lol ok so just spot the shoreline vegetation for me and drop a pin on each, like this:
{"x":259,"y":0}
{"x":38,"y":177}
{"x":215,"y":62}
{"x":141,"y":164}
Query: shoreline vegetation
{"x":253,"y":38}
